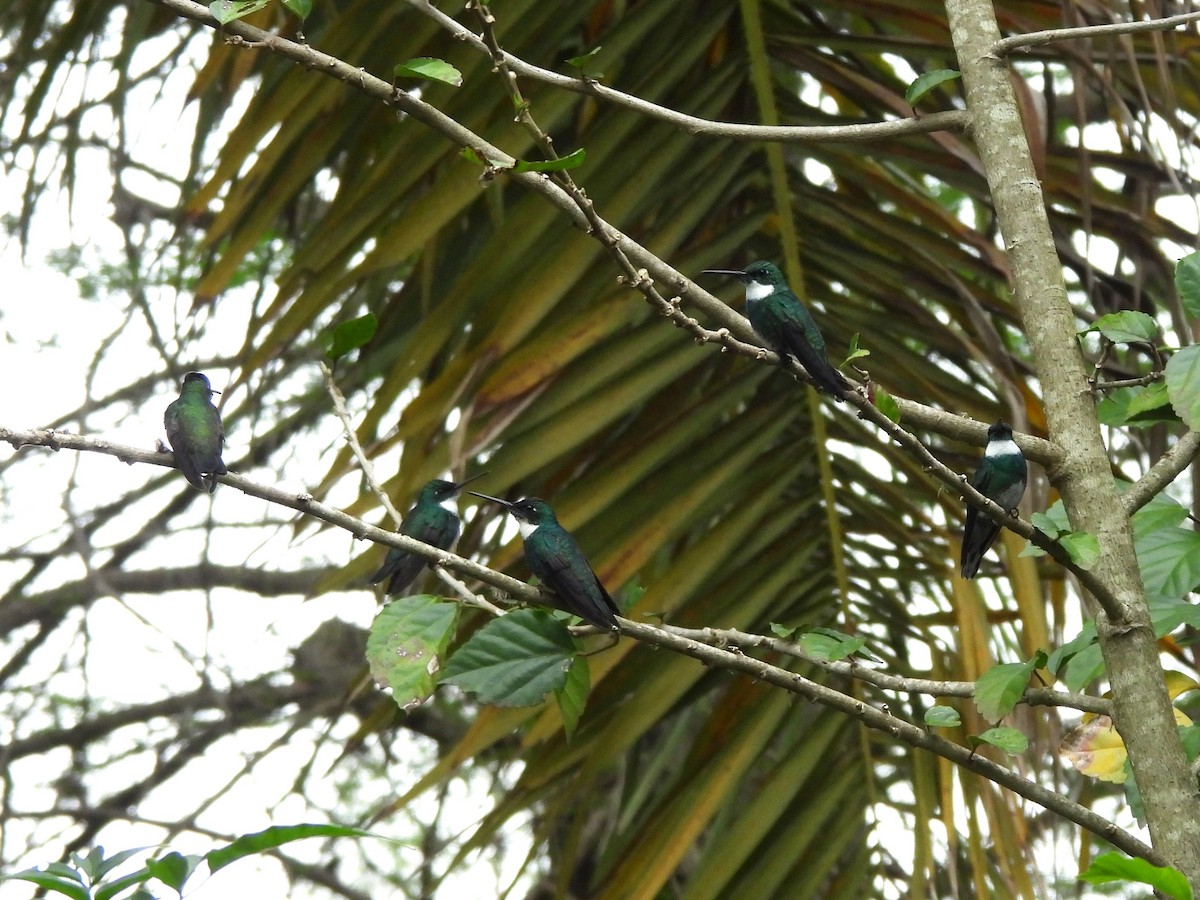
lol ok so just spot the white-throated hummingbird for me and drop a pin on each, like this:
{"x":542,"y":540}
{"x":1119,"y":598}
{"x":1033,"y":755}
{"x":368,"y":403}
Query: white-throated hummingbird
{"x":195,"y":431}
{"x":1001,"y":478}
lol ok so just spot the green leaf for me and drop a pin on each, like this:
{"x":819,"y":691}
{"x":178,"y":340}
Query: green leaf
{"x":782,"y":630}
{"x":1115,"y":867}
{"x":276,"y":836}
{"x":1082,"y":547}
{"x":226,"y":11}
{"x":570,"y":161}
{"x":942,"y":717}
{"x":927,"y":82}
{"x":855,"y":352}
{"x":829,"y":647}
{"x":1147,"y":400}
{"x":584,"y":64}
{"x":1183,"y":384}
{"x":1052,"y":522}
{"x":1170,"y":561}
{"x":572,"y":696}
{"x":1009,"y":740}
{"x":428,"y":67}
{"x":1187,"y":282}
{"x":351,"y":335}
{"x":119,"y":885}
{"x":408,"y":639}
{"x":299,"y":8}
{"x":1085,"y":667}
{"x":886,"y":404}
{"x":1168,"y":613}
{"x":1161,"y":512}
{"x":66,"y":886}
{"x":999,"y":688}
{"x":1064,"y":654}
{"x":514,"y":660}
{"x":1126,"y":327}
{"x":174,"y":869}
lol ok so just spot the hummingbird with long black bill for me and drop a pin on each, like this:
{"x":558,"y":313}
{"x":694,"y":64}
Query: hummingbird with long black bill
{"x":1001,"y":478}
{"x":195,"y":431}
{"x":555,"y":558}
{"x":785,"y":323}
{"x":432,"y":520}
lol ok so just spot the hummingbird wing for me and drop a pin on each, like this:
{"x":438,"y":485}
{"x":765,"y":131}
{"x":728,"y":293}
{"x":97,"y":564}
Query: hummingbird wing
{"x":175,"y":420}
{"x":800,"y":337}
{"x":997,"y":483}
{"x":400,"y":567}
{"x":555,"y":558}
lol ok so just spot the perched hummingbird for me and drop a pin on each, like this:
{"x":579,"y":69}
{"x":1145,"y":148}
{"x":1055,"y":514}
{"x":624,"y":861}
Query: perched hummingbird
{"x":786,"y":324}
{"x":433,"y":520}
{"x":559,"y":564}
{"x":1001,"y":478}
{"x":195,"y":432}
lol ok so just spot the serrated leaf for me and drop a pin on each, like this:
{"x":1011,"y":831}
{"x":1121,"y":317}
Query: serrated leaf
{"x":1064,"y":654}
{"x":1170,"y":561}
{"x":999,"y":688}
{"x":173,"y":869}
{"x":1183,"y":384}
{"x":226,"y":11}
{"x":1082,"y":547}
{"x":1161,"y":512}
{"x":570,"y":161}
{"x":1009,"y":740}
{"x":276,"y":836}
{"x":923,"y":84}
{"x":1115,"y":867}
{"x":299,"y":8}
{"x":429,"y":67}
{"x":1187,"y":282}
{"x":1126,"y":327}
{"x":886,"y":404}
{"x":1147,"y":400}
{"x":572,"y":696}
{"x":942,"y":717}
{"x":351,"y":335}
{"x":514,"y":660}
{"x":408,"y":639}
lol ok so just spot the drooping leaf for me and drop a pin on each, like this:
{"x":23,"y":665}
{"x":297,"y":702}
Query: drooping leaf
{"x":299,"y":8}
{"x":1095,"y":749}
{"x":69,"y":887}
{"x":1187,"y":282}
{"x":572,"y":696}
{"x":1183,"y":384}
{"x":407,"y":641}
{"x":999,"y":688}
{"x":514,"y":660}
{"x":886,"y":403}
{"x":173,"y":869}
{"x":428,"y":67}
{"x":1111,"y":867}
{"x":923,"y":84}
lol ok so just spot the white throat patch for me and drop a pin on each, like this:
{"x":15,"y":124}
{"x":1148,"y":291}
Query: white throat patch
{"x":527,"y":528}
{"x":1001,"y":448}
{"x":757,"y":290}
{"x":450,"y":505}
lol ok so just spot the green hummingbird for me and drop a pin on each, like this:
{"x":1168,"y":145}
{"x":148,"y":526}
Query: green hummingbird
{"x":195,"y":431}
{"x":432,"y":520}
{"x":785,"y":323}
{"x":1001,"y":478}
{"x":555,"y":558}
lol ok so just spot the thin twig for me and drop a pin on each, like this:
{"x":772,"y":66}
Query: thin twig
{"x":1040,"y":38}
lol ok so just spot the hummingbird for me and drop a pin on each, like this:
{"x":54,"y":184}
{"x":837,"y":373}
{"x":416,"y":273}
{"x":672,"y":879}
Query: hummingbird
{"x":1001,"y":478}
{"x":433,"y":520}
{"x":555,"y":558}
{"x":785,"y":323}
{"x":195,"y":431}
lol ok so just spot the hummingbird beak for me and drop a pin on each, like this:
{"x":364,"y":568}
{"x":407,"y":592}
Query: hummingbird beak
{"x":504,"y":503}
{"x":736,"y":272}
{"x":461,"y":484}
